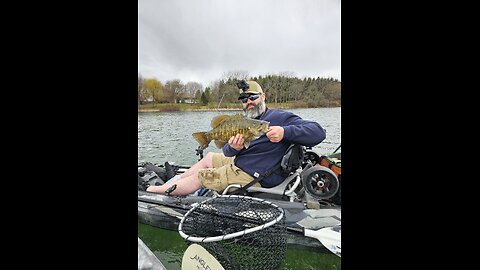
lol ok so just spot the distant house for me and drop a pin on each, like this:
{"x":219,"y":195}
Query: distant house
{"x":187,"y":100}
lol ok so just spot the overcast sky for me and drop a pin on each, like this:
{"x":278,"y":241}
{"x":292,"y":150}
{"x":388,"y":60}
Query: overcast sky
{"x":202,"y":40}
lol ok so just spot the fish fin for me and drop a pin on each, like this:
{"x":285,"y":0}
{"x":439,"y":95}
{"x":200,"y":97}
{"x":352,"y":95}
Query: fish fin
{"x":247,"y":144}
{"x":220,"y":118}
{"x":220,"y":143}
{"x":202,"y":139}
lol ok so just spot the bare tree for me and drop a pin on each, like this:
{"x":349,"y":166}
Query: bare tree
{"x":287,"y":74}
{"x":191,"y":88}
{"x":174,"y":90}
{"x":215,"y":94}
{"x":141,"y":81}
{"x":235,"y":75}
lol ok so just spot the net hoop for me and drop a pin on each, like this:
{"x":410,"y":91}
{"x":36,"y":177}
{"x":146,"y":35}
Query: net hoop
{"x":231,"y":235}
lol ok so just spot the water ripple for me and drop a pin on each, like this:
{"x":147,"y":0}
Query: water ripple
{"x":168,"y":136}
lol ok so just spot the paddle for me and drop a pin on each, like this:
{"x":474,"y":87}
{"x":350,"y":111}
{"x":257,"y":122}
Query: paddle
{"x":197,"y":257}
{"x":330,"y":237}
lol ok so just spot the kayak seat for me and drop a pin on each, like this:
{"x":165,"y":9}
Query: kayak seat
{"x":291,"y":166}
{"x":286,"y":188}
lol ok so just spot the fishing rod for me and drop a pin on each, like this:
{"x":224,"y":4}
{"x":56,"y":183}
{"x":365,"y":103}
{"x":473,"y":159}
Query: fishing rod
{"x":337,"y":148}
{"x":218,"y":107}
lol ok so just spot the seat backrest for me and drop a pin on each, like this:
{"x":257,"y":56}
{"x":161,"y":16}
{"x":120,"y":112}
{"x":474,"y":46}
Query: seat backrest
{"x":292,"y":159}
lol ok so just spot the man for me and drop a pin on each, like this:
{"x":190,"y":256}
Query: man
{"x":239,"y":165}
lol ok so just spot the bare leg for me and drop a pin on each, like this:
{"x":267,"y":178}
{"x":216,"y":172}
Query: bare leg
{"x":188,"y":182}
{"x":185,"y":185}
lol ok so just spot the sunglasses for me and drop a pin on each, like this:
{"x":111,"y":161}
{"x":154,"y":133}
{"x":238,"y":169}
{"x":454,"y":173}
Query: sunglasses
{"x":251,"y":97}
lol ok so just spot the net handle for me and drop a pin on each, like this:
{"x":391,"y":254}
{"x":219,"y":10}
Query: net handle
{"x":230,"y":235}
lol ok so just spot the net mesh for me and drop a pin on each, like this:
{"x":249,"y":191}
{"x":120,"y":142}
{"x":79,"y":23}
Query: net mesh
{"x":240,"y":232}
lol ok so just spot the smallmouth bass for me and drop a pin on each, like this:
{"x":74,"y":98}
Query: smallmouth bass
{"x":226,"y":126}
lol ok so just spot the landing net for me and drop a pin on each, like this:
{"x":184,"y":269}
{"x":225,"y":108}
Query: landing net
{"x":240,"y":232}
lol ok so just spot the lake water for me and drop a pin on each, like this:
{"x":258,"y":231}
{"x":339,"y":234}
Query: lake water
{"x":167,"y":136}
{"x":169,"y":248}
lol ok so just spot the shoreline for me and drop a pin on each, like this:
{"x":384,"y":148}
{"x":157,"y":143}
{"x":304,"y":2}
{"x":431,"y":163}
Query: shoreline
{"x":190,"y":110}
{"x":217,"y":109}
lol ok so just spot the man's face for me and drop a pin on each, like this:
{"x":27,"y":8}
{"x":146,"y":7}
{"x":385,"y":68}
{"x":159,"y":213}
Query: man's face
{"x":255,"y":107}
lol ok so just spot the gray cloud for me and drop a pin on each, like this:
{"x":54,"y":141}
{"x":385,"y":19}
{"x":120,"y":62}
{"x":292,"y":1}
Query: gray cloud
{"x":201,"y":40}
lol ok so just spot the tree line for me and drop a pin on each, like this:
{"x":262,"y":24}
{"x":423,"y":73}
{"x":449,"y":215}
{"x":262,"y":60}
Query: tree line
{"x":283,"y":88}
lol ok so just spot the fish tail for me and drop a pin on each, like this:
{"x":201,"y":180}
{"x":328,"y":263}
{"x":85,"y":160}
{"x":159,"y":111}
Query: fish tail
{"x":202,"y":138}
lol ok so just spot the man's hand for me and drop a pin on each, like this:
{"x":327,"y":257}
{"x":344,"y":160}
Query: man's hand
{"x":275,"y":133}
{"x":236,"y":142}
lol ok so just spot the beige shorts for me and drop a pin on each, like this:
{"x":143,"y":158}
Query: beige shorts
{"x":223,"y":173}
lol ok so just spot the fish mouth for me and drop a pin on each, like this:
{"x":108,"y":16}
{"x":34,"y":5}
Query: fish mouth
{"x":265,"y":122}
{"x":267,"y":125}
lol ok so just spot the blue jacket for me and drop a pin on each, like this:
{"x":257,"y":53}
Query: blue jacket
{"x":262,"y":154}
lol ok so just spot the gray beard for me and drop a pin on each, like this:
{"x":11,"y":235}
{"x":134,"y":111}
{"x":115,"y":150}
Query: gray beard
{"x":256,"y":111}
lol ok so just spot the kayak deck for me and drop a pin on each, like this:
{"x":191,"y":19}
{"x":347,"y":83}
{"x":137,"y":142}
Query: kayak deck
{"x":166,"y":211}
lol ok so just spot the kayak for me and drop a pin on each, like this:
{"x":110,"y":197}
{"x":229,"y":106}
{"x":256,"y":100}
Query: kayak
{"x":166,"y":212}
{"x":331,"y":238}
{"x":147,"y":259}
{"x":309,"y":197}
